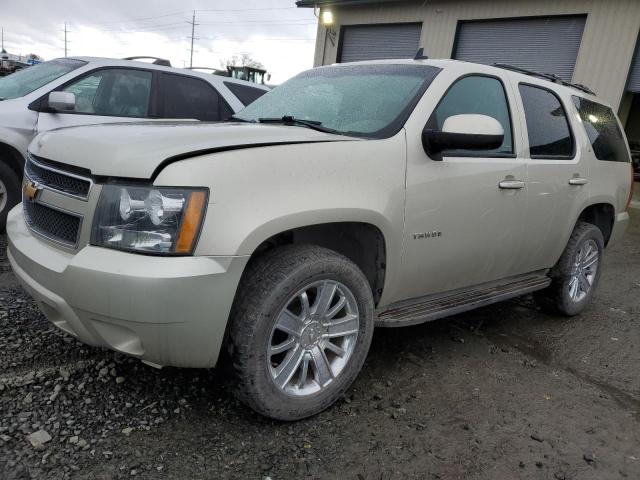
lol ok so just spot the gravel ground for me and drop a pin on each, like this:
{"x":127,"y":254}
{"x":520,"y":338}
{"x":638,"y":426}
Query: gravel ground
{"x":502,"y":392}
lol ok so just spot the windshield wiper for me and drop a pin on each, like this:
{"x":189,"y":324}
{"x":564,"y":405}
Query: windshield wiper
{"x":289,"y":120}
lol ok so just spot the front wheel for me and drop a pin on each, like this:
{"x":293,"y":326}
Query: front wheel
{"x":576,"y":275}
{"x":301,"y":328}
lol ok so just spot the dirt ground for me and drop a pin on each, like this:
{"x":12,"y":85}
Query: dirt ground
{"x":505,"y":392}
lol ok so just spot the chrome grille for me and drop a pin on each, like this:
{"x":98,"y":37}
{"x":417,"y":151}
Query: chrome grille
{"x":51,"y":223}
{"x":57,"y":180}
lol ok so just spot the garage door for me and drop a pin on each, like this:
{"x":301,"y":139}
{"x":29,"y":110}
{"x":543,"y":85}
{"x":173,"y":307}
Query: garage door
{"x":375,"y":42}
{"x":634,"y":75}
{"x":545,"y":45}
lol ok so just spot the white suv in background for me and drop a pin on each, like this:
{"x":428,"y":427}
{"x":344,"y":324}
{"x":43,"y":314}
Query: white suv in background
{"x":83,"y":90}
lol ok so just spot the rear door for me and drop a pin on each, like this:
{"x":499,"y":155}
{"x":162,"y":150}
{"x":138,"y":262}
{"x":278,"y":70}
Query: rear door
{"x":107,"y":95}
{"x":462,"y":228}
{"x":557,"y":171}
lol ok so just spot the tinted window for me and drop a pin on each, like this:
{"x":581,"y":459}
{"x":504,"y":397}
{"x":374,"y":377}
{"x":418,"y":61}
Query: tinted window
{"x":547,"y":124}
{"x":244,"y":93}
{"x":370,"y":101}
{"x":188,"y":97}
{"x":114,"y":92}
{"x":603,"y":131}
{"x":479,"y":95}
{"x":29,"y":79}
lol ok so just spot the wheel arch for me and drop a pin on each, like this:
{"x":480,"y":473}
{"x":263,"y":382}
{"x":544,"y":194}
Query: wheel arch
{"x":12,"y":157}
{"x":602,"y":215}
{"x":363,"y":242}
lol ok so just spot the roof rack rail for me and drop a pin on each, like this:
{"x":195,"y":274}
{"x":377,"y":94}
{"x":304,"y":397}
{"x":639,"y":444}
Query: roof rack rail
{"x":214,"y":71}
{"x":547,"y":76}
{"x":156,"y":61}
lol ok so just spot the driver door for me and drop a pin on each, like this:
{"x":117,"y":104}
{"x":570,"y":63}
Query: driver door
{"x":465,"y":214}
{"x":108,"y":95}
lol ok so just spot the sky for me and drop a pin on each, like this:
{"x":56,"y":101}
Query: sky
{"x":273,"y":32}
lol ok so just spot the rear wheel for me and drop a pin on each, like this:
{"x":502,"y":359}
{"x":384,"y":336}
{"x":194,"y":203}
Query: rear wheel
{"x":9,"y":192}
{"x":576,"y":275}
{"x":301,"y":329}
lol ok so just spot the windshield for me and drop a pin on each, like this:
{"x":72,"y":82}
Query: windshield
{"x":25,"y":81}
{"x":360,"y":100}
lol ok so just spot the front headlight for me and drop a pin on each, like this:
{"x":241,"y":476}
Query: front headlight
{"x":149,"y":219}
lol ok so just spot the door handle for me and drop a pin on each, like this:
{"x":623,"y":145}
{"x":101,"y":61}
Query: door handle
{"x":578,"y":181}
{"x":511,"y":184}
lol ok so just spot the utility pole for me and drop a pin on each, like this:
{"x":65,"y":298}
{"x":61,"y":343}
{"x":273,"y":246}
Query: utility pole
{"x":193,"y":31}
{"x":2,"y":50}
{"x":65,"y":39}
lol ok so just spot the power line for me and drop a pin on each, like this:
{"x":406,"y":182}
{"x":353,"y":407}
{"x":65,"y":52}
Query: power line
{"x":183,"y":12}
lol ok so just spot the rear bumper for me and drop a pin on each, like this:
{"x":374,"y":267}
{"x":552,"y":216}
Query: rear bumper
{"x":167,"y":311}
{"x":620,"y":225}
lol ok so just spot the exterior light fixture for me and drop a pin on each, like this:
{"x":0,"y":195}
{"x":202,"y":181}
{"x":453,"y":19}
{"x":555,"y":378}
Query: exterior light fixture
{"x":327,"y":18}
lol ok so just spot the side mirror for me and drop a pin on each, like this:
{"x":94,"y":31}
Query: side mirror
{"x":62,"y":101}
{"x":463,"y":132}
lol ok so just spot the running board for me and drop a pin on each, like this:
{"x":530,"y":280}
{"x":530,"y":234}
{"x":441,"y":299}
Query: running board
{"x":433,"y":307}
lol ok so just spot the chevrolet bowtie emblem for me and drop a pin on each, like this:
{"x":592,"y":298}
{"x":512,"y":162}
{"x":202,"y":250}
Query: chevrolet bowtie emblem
{"x":30,"y":189}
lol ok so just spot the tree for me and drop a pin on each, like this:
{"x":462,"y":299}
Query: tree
{"x":242,"y":60}
{"x":33,"y":56}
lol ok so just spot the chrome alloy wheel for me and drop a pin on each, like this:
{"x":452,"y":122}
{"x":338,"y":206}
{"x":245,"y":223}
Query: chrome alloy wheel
{"x":313,"y":338}
{"x":584,"y":270}
{"x":3,"y":195}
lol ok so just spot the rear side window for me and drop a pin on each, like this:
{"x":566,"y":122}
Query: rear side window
{"x":188,"y":97}
{"x":476,"y":94}
{"x":603,"y":130}
{"x":547,"y":124}
{"x":245,"y":93}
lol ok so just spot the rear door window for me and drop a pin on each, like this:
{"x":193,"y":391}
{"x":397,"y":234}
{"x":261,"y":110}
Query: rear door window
{"x":547,"y":124}
{"x":189,"y":97}
{"x":477,"y":94}
{"x":603,"y":130}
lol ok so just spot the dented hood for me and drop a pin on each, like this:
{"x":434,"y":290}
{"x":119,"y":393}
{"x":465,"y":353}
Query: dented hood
{"x":139,"y":150}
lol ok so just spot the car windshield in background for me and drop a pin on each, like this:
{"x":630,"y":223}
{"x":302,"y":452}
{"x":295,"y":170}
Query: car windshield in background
{"x":30,"y":79}
{"x":359,"y":100}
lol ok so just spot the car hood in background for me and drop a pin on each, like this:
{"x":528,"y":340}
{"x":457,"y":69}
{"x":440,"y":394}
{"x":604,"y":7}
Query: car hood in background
{"x":138,"y":150}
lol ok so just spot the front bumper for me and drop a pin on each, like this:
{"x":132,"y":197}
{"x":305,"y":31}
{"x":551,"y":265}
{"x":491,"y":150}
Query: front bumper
{"x":169,"y":311}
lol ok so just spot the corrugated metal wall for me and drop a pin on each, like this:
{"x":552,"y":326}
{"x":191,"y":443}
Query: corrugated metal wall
{"x":604,"y":58}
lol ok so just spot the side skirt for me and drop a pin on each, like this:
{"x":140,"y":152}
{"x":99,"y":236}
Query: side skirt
{"x":433,"y":307}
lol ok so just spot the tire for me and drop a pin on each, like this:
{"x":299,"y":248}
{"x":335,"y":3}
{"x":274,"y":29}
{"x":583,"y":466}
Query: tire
{"x":10,"y":192}
{"x":273,"y":283}
{"x":560,"y":296}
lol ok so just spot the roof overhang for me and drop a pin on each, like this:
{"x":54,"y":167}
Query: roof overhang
{"x":335,"y":3}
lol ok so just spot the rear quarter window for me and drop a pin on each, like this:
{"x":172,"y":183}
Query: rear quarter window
{"x":603,"y":130}
{"x":244,"y":93}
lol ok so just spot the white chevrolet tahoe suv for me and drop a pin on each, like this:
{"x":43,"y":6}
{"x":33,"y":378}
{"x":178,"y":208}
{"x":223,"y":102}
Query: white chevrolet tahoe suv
{"x":87,"y":90}
{"x":382,"y":193}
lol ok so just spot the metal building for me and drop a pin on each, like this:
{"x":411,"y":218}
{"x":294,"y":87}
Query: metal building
{"x":593,"y":42}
